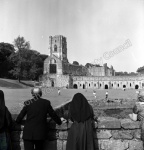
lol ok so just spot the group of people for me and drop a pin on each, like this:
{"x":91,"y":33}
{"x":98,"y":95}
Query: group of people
{"x":80,"y":135}
{"x":95,"y":95}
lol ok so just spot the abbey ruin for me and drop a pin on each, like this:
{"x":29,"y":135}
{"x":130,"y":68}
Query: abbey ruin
{"x":58,"y":72}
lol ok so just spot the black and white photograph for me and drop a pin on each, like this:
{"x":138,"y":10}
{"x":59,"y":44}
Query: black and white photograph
{"x":71,"y":74}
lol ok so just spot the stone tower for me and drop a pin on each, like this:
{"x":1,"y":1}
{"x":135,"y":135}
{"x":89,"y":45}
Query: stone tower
{"x":58,"y":47}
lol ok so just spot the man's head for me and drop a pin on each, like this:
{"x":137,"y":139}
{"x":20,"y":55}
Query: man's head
{"x":36,"y":92}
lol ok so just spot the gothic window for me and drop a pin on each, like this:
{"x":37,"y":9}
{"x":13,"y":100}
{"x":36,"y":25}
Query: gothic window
{"x":55,"y":48}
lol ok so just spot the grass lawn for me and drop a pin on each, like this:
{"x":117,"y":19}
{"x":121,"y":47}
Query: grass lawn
{"x":16,"y":93}
{"x":15,"y":97}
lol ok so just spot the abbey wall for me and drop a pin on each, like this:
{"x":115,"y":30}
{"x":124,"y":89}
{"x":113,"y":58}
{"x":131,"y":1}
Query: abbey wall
{"x":58,"y":72}
{"x":116,"y":82}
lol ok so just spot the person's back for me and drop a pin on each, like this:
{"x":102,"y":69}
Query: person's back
{"x":6,"y":124}
{"x":35,"y":128}
{"x":80,"y":135}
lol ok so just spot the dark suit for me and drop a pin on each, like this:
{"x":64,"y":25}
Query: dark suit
{"x":35,"y":128}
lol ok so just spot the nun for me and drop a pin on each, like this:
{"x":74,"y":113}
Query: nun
{"x":80,"y":135}
{"x":5,"y":124}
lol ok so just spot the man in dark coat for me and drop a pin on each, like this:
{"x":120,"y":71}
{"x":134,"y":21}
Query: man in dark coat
{"x":35,"y":129}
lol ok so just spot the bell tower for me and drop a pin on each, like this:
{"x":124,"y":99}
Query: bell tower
{"x":58,"y":47}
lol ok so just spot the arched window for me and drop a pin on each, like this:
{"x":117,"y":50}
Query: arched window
{"x":55,"y":48}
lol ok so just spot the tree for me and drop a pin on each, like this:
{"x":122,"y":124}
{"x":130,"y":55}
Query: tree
{"x":21,"y":45}
{"x":88,"y":65}
{"x":140,"y":69}
{"x":75,"y":63}
{"x":31,"y":64}
{"x":6,"y":50}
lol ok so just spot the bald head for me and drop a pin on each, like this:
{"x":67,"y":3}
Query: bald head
{"x":36,"y":92}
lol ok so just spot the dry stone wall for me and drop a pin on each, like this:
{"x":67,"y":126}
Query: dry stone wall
{"x":110,"y":133}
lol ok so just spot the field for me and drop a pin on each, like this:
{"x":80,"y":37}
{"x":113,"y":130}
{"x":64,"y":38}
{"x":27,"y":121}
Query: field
{"x":14,"y":98}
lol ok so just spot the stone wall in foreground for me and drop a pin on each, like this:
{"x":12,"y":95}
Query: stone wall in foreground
{"x":110,"y":134}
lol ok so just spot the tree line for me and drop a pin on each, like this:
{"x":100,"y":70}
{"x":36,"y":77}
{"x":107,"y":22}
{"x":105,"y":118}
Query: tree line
{"x":19,"y":61}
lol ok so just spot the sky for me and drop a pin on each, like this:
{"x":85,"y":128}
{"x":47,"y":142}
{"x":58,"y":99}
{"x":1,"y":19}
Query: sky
{"x":95,"y":29}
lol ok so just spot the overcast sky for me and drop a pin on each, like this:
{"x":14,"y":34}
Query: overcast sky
{"x":93,"y":28}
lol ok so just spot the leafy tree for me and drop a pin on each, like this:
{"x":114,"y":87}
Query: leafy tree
{"x":75,"y":63}
{"x":21,"y":45}
{"x":88,"y":65}
{"x":6,"y":50}
{"x":140,"y":69}
{"x":31,"y":64}
{"x":125,"y":73}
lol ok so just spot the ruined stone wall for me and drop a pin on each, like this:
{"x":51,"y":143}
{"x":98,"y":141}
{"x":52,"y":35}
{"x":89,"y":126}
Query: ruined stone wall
{"x":113,"y":82}
{"x":110,"y":133}
{"x":62,"y":81}
{"x":75,"y":70}
{"x":48,"y":80}
{"x":96,"y":71}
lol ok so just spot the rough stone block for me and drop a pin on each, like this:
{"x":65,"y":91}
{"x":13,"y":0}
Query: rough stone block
{"x":137,"y":134}
{"x":103,"y":134}
{"x":122,"y":134}
{"x":135,"y":145}
{"x":63,"y":135}
{"x":109,"y":123}
{"x":64,"y":145}
{"x":113,"y":145}
{"x":129,"y":124}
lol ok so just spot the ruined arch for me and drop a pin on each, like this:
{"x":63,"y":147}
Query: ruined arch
{"x":106,"y":86}
{"x":136,"y":86}
{"x":55,"y":48}
{"x":75,"y":86}
{"x":52,"y":66}
{"x":83,"y":86}
{"x":124,"y":86}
